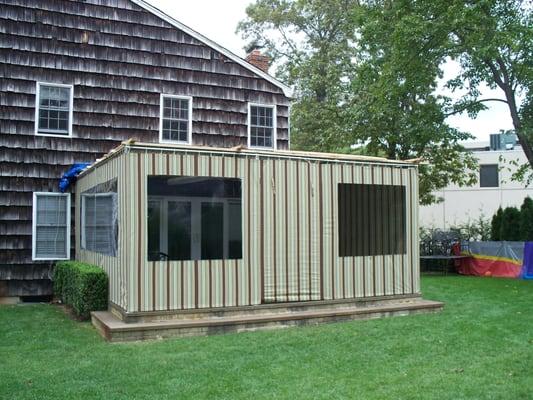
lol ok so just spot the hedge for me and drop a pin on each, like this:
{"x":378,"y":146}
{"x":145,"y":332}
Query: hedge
{"x":509,"y":229}
{"x":83,"y":286}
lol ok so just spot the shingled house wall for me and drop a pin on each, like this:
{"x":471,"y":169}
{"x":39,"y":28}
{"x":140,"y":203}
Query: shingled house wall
{"x":119,"y":57}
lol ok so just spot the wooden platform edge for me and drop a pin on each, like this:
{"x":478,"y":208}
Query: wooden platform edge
{"x":115,"y":330}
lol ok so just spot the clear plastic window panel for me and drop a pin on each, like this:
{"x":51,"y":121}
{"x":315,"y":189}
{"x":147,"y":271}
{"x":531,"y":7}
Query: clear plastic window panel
{"x":175,"y":119}
{"x":54,"y":103}
{"x":261,"y":126}
{"x":100,"y":219}
{"x":194,"y":218}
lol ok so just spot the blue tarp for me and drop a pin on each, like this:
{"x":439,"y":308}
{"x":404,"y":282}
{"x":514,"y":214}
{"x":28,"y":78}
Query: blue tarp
{"x":69,"y":177}
{"x":527,"y":269}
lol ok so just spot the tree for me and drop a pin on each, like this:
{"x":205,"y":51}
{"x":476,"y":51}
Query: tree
{"x":493,"y":42}
{"x":509,"y":229}
{"x":526,"y":220}
{"x":395,"y":109}
{"x":495,"y":225}
{"x":353,"y":87}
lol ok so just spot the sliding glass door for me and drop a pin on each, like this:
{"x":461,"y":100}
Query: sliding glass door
{"x":194,"y":229}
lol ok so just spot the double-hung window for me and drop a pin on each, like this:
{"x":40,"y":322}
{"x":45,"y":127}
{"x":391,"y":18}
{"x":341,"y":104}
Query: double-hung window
{"x":261,"y":126}
{"x":175,"y":119}
{"x":51,"y":226}
{"x":53,"y":111}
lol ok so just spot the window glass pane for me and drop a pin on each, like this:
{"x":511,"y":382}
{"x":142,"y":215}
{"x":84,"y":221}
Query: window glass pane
{"x":51,"y":242}
{"x":179,"y":230}
{"x":212,"y":231}
{"x":488,"y":175}
{"x":62,"y":124}
{"x":371,"y":219}
{"x":51,"y":210}
{"x":184,"y":109}
{"x":194,"y":218}
{"x":235,"y":231}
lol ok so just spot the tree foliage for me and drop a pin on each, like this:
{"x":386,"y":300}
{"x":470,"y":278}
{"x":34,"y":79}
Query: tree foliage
{"x":526,"y":220}
{"x":311,"y":42}
{"x":509,"y":229}
{"x":495,"y":225}
{"x":493,"y":42}
{"x":360,"y":79}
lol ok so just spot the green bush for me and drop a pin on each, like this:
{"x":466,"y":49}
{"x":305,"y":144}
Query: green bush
{"x":83,"y":286}
{"x":509,"y":229}
{"x":526,"y":220}
{"x":471,"y":230}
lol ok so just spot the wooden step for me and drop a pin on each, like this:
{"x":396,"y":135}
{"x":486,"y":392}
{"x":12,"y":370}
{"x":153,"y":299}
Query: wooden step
{"x":116,"y":330}
{"x":268,"y":308}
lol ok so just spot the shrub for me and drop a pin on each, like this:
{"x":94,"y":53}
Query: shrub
{"x":526,"y":220}
{"x":496,"y":225}
{"x":510,"y":224}
{"x":83,"y":286}
{"x":477,"y":229}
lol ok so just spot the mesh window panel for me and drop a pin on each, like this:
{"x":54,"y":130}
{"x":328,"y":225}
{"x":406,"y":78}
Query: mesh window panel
{"x":99,"y":223}
{"x":371,"y":219}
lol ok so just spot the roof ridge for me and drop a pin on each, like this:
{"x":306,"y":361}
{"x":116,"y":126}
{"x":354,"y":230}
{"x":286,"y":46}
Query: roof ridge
{"x":287,"y":91}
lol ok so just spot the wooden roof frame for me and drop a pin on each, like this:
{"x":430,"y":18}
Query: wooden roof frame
{"x":283,"y":154}
{"x":287,"y":91}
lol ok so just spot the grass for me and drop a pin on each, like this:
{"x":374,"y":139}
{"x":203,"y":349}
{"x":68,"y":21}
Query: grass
{"x":480,"y":347}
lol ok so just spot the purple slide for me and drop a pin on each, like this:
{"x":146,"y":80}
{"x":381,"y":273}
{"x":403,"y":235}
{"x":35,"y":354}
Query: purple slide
{"x":527,"y":269}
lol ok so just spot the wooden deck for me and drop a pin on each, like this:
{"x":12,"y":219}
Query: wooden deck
{"x":241,"y":319}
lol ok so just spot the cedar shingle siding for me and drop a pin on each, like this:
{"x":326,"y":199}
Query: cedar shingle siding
{"x":120,"y":58}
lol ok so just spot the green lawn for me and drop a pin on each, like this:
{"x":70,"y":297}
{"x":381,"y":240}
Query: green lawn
{"x":480,"y":347}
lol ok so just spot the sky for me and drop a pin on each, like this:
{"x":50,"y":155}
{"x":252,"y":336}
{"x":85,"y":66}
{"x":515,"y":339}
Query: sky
{"x":218,"y":19}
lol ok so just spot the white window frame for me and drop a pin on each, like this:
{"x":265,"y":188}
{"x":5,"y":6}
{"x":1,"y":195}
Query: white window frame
{"x":289,"y":127}
{"x":34,"y":226}
{"x":189,"y":125}
{"x":82,"y":232}
{"x":274,"y":126}
{"x":70,"y":111}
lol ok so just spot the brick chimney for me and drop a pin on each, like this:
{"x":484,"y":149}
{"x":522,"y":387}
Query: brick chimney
{"x":259,"y":60}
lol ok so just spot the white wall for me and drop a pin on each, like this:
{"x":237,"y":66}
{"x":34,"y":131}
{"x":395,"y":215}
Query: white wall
{"x":468,"y":203}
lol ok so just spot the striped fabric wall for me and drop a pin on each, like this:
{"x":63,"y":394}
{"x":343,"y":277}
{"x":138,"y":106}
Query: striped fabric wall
{"x":116,"y":267}
{"x":290,"y":233}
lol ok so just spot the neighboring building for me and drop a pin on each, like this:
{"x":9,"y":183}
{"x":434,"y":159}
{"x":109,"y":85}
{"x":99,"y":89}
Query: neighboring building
{"x":494,"y":188}
{"x":80,"y":77}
